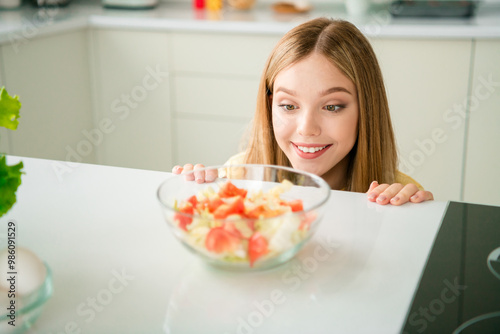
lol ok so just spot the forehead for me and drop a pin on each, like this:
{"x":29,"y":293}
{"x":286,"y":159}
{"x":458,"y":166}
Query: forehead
{"x":313,"y":71}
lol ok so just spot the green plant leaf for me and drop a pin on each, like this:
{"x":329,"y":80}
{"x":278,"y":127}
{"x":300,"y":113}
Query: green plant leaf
{"x":10,"y":180}
{"x":9,"y":110}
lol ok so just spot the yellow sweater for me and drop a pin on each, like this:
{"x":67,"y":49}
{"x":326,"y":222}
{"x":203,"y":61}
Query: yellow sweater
{"x":400,"y":177}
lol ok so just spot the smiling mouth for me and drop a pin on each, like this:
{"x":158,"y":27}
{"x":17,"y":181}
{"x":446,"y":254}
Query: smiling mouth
{"x":311,"y":149}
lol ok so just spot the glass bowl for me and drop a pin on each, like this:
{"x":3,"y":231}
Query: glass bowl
{"x":28,"y":307}
{"x":251,"y":217}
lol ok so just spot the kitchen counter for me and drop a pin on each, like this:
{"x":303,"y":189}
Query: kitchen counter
{"x":93,"y":222}
{"x":117,"y":268}
{"x":27,"y":22}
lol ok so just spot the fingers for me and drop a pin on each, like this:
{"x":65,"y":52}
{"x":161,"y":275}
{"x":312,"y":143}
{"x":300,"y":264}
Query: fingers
{"x":397,"y":194}
{"x":186,"y":171}
{"x":377,"y":193}
{"x":421,"y":196}
{"x":199,"y":175}
{"x":177,"y":169}
{"x":206,"y":175}
{"x":403,"y":196}
{"x":211,"y":175}
{"x":194,"y":173}
{"x":372,"y":186}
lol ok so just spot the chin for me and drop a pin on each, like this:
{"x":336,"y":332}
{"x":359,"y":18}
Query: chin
{"x":310,"y":168}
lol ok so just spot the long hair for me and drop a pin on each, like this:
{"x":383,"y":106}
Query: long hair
{"x":373,"y":156}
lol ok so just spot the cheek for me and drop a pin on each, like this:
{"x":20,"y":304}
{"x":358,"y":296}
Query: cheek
{"x":351,"y":129}
{"x":279,"y":123}
{"x":281,"y":128}
{"x":346,"y":131}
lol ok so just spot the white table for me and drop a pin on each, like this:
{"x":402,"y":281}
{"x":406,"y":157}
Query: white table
{"x":118,"y":269}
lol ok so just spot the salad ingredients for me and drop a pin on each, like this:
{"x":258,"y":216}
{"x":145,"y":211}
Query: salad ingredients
{"x":257,"y":247}
{"x":235,"y":225}
{"x":10,"y":176}
{"x":220,"y":240}
{"x":9,"y":110}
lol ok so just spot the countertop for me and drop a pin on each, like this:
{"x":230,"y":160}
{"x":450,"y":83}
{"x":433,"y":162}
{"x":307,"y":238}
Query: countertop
{"x":95,"y":224}
{"x":28,"y":21}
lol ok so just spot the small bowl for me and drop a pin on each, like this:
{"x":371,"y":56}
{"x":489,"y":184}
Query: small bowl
{"x":28,"y":308}
{"x":281,"y":210}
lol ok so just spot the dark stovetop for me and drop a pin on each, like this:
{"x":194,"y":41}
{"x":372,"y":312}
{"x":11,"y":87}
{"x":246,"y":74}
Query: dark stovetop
{"x":459,"y":291}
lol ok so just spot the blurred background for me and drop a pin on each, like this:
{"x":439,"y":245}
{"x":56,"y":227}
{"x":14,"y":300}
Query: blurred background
{"x":170,"y":82}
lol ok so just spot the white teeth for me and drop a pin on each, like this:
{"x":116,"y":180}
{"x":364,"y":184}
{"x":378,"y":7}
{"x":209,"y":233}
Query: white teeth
{"x":310,"y":149}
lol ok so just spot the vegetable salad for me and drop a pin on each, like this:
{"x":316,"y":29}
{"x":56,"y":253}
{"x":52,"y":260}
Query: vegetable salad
{"x":237,"y":226}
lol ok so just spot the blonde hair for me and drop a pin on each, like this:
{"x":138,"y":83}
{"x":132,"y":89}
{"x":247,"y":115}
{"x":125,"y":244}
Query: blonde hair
{"x":374,"y":156}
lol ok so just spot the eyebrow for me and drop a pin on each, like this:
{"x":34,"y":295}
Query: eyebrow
{"x":323,"y":93}
{"x":335,"y":89}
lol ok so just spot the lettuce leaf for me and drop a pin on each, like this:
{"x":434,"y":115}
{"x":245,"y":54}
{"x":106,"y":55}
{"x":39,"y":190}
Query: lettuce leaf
{"x":10,"y":180}
{"x":10,"y":176}
{"x":9,"y":110}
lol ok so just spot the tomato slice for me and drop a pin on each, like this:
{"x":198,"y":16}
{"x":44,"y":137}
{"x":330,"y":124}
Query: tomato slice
{"x":214,"y":204}
{"x":261,"y":211}
{"x":296,"y":205}
{"x":219,"y":240}
{"x":257,"y":247}
{"x":232,"y":205}
{"x":183,"y":220}
{"x":230,"y":190}
{"x":256,"y":212}
{"x":193,"y":200}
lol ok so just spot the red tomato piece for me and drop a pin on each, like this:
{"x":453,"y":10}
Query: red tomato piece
{"x":257,"y":247}
{"x":261,"y":211}
{"x":202,"y":205}
{"x":193,"y":200}
{"x":184,"y":220}
{"x":214,"y":204}
{"x":233,"y":205}
{"x":230,"y":190}
{"x":210,"y":204}
{"x":296,"y":205}
{"x":256,"y":212}
{"x":219,"y":240}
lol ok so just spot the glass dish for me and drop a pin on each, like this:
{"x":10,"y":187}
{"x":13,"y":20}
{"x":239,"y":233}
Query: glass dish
{"x":249,"y":241}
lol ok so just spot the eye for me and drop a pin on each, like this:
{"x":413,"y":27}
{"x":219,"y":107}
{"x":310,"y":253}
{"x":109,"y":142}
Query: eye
{"x":333,"y":108}
{"x":287,"y":107}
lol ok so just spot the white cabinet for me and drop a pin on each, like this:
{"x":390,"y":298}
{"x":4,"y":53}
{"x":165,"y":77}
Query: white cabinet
{"x":132,"y":96}
{"x":50,"y":75}
{"x":211,"y":116}
{"x":482,"y":170}
{"x":208,"y":141}
{"x":221,"y":54}
{"x":214,"y":79}
{"x":427,"y":87}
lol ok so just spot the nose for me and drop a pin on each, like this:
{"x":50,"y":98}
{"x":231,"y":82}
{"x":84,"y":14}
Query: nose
{"x":309,"y":124}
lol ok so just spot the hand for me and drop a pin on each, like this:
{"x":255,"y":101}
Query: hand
{"x":397,"y":194}
{"x":200,"y":176}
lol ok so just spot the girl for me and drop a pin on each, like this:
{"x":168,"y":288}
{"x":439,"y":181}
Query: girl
{"x":322,"y":108}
